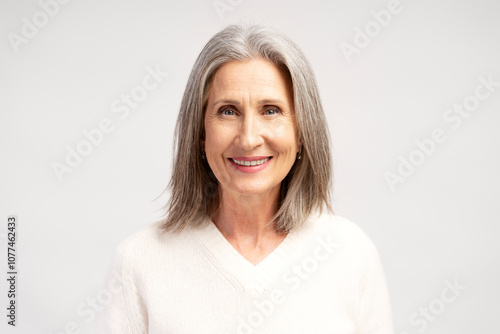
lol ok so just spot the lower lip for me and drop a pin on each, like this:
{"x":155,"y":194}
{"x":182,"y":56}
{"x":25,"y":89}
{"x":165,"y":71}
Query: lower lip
{"x":250,"y":169}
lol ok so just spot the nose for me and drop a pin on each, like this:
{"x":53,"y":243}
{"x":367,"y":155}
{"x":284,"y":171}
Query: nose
{"x":250,"y":133}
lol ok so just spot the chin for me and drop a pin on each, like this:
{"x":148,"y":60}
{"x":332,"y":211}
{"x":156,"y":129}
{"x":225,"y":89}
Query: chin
{"x":252,"y":190}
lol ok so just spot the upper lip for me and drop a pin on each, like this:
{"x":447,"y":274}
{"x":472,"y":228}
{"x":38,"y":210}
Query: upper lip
{"x":250,"y":158}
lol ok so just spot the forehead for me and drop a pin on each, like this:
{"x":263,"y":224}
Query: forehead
{"x":256,"y":76}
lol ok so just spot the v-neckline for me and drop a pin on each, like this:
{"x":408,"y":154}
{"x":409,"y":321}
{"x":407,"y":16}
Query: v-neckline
{"x":230,"y":247}
{"x":253,"y":279}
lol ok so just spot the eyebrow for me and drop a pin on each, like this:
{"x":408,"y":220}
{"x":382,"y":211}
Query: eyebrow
{"x":236,"y":102}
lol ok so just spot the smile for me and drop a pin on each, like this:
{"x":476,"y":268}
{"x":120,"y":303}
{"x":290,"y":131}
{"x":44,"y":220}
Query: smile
{"x":250,"y":163}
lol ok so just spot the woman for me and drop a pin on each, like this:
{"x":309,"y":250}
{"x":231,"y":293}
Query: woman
{"x":249,"y":243}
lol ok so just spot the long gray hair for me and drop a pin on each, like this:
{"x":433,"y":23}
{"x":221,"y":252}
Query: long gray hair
{"x":194,"y":192}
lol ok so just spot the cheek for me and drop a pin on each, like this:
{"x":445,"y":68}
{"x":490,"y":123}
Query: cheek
{"x":210,"y":137}
{"x":284,"y":137}
{"x":217,"y":141}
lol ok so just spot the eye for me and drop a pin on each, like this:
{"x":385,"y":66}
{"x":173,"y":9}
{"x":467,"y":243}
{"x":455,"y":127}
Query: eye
{"x":226,"y":111}
{"x":272,"y":111}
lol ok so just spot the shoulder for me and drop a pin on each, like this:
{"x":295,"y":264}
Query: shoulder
{"x":143,"y":236}
{"x":147,"y":241}
{"x":343,"y":227}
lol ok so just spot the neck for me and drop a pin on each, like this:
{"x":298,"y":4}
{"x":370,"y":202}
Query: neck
{"x":246,"y":218}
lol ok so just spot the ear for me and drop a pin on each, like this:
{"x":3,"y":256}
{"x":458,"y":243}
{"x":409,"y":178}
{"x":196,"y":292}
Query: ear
{"x":299,"y":145}
{"x":202,"y":143}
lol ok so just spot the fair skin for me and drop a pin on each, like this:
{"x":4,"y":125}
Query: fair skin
{"x":250,"y":143}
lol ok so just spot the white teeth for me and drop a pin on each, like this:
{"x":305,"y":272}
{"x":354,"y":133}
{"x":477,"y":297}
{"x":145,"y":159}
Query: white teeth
{"x":250,"y":163}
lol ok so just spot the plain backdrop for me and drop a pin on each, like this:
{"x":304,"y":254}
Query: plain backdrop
{"x":392,"y":88}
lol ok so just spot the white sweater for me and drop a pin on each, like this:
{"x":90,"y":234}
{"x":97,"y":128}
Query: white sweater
{"x":324,"y":278}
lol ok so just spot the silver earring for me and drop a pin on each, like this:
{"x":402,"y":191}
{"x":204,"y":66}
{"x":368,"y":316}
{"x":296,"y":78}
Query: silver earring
{"x":299,"y":155}
{"x":203,"y":155}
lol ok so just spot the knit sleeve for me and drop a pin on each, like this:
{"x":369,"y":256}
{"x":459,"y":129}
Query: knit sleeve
{"x":126,"y":312}
{"x":375,"y":315}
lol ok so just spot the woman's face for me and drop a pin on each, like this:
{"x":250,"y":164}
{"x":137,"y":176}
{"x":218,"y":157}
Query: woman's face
{"x":250,"y":134}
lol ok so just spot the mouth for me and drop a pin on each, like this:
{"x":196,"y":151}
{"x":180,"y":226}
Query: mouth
{"x":250,"y":161}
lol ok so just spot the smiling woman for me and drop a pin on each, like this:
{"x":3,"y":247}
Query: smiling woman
{"x":262,"y":251}
{"x":251,"y":144}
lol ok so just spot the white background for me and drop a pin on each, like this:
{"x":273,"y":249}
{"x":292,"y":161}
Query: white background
{"x":440,"y":224}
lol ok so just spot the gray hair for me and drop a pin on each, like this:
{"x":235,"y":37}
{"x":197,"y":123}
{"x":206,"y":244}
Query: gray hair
{"x":194,"y":193}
